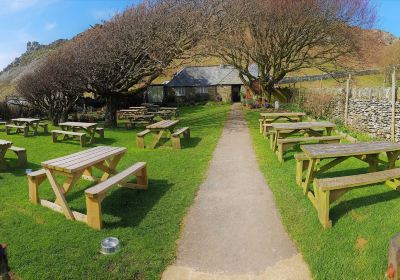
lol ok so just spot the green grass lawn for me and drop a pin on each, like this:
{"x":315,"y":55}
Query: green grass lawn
{"x":363,"y":220}
{"x":45,"y":245}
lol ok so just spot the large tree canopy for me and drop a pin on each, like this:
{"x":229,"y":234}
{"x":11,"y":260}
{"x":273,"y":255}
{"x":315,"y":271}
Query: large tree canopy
{"x":134,"y":47}
{"x":281,"y":37}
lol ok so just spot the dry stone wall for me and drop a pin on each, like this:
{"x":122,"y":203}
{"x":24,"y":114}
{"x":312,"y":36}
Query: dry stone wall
{"x":369,"y":110}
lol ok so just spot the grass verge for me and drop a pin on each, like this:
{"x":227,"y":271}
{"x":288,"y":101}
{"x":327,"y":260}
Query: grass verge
{"x":363,"y":220}
{"x":44,"y":245}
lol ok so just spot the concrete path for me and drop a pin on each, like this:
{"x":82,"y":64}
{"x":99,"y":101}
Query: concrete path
{"x":233,"y":230}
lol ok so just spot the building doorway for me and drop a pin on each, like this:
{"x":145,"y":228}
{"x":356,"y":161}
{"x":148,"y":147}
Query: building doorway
{"x":235,"y":94}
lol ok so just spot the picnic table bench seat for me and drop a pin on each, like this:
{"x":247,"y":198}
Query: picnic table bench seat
{"x":45,"y":127}
{"x":328,"y":190}
{"x":176,"y":139}
{"x":100,"y":132}
{"x":140,"y":138}
{"x":287,"y":143}
{"x":35,"y":179}
{"x":2,"y":123}
{"x":80,"y":135}
{"x":96,"y":194}
{"x":18,"y":128}
{"x":21,"y":155}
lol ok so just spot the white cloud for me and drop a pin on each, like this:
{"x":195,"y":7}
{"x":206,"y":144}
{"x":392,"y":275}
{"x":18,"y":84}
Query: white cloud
{"x":50,"y":25}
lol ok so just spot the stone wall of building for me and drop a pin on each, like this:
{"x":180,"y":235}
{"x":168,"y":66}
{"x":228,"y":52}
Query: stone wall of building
{"x":369,"y":110}
{"x":225,"y":93}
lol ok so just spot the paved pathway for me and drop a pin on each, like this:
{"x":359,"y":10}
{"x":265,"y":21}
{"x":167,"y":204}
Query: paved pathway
{"x":233,"y":230}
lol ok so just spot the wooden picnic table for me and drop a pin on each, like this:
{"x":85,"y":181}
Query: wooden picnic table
{"x":28,"y":122}
{"x":89,"y":128}
{"x":268,"y":118}
{"x":337,"y":153}
{"x":159,"y":128}
{"x":4,"y":146}
{"x":73,"y":167}
{"x":284,"y":130}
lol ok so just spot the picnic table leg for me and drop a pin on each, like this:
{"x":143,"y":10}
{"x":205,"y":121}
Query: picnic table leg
{"x":392,"y":158}
{"x":329,"y":131}
{"x":57,"y":189}
{"x":157,"y":138}
{"x":91,"y":133}
{"x":111,"y":165}
{"x":310,"y":176}
{"x":373,"y":162}
{"x":71,"y":180}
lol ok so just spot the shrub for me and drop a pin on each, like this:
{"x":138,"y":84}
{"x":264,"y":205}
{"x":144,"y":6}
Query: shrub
{"x":319,"y":105}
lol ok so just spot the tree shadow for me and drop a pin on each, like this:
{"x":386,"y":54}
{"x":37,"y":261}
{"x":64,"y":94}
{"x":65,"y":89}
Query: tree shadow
{"x":344,"y":207}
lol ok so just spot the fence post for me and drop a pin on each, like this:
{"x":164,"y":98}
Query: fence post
{"x":346,"y":105}
{"x":393,"y":126}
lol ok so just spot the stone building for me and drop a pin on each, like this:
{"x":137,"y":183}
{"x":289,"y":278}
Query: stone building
{"x":203,"y":83}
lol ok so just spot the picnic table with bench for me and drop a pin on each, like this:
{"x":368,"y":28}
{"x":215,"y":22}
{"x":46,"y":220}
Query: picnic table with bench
{"x":8,"y":146}
{"x":23,"y":125}
{"x":309,"y":130}
{"x":158,"y":130}
{"x":134,"y":120}
{"x":268,"y":118}
{"x":80,"y":165}
{"x":320,"y":158}
{"x":72,"y":128}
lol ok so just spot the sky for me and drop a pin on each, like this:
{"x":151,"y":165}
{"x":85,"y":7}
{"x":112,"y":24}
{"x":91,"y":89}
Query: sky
{"x":48,"y":20}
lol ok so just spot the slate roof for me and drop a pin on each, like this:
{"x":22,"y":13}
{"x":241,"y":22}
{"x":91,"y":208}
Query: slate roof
{"x":198,"y":76}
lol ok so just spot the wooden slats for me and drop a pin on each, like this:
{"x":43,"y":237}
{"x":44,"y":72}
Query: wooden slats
{"x":305,"y":139}
{"x":358,"y":180}
{"x":84,"y":159}
{"x":78,"y":124}
{"x":348,"y":149}
{"x":289,"y":114}
{"x":162,"y":124}
{"x":27,"y":120}
{"x":68,"y":132}
{"x":102,"y":187}
{"x":302,"y":125}
{"x":5,"y":143}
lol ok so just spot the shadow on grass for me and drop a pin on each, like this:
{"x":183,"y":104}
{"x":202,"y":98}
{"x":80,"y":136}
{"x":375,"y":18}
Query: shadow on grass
{"x":16,"y":170}
{"x":344,"y":207}
{"x":131,"y":206}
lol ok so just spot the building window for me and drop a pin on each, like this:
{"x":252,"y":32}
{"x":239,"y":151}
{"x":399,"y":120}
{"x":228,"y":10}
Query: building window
{"x":179,"y":91}
{"x":201,"y":90}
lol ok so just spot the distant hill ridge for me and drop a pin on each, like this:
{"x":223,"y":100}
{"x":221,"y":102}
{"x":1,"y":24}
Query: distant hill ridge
{"x":374,"y":41}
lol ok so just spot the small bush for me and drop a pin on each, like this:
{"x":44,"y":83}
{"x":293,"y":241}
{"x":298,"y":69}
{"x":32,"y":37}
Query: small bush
{"x":319,"y":105}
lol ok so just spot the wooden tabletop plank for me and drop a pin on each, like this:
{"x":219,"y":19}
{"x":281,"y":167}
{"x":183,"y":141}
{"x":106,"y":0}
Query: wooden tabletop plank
{"x":283,"y":114}
{"x":82,"y":159}
{"x":348,"y":149}
{"x":4,"y":143}
{"x":162,"y":124}
{"x":27,"y":120}
{"x":78,"y":124}
{"x":92,"y":161}
{"x":301,"y":125}
{"x":75,"y":155}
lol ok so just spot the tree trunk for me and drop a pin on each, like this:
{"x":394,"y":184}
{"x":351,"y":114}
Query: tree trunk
{"x":111,"y":110}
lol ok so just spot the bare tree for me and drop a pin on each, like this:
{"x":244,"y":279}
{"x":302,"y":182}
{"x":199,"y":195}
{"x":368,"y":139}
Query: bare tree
{"x":128,"y":52}
{"x":54,"y":86}
{"x":280,"y":37}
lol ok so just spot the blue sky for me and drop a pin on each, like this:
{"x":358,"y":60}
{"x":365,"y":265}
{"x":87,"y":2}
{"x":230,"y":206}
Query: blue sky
{"x":48,"y":20}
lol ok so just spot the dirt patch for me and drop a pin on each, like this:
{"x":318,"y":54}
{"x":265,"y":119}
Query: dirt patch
{"x":361,"y":243}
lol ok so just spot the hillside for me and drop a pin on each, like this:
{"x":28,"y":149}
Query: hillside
{"x":373,"y":44}
{"x":23,"y":64}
